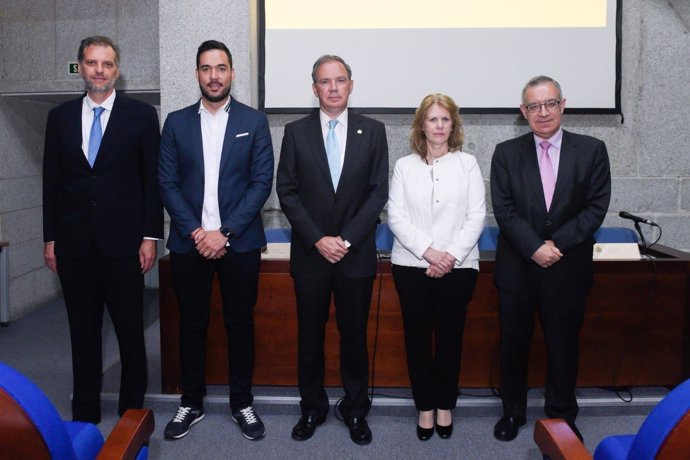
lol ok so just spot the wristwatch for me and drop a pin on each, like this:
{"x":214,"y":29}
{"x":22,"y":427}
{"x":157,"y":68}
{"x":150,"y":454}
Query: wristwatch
{"x":227,"y":233}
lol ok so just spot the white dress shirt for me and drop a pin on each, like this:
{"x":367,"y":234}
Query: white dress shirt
{"x":212,"y":137}
{"x":441,"y":205}
{"x":87,"y":119}
{"x":340,"y":131}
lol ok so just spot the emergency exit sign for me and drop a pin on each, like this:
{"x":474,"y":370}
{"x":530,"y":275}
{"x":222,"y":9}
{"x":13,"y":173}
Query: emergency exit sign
{"x":73,"y":68}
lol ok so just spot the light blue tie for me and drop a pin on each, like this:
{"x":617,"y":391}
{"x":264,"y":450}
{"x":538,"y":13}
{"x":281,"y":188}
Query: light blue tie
{"x":96,"y":135}
{"x":333,"y":153}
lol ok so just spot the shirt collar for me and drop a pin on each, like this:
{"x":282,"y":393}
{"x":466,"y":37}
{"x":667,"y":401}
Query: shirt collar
{"x":554,"y":140}
{"x":89,"y":103}
{"x":325,"y":118}
{"x":225,"y":108}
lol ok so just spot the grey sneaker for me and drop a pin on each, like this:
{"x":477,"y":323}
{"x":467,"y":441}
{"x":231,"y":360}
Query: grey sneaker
{"x":182,"y":421}
{"x":250,"y":423}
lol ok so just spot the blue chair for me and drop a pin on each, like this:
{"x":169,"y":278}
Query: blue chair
{"x":278,"y":235}
{"x":665,"y":434}
{"x":615,"y":235}
{"x":384,"y":237}
{"x":487,"y":240}
{"x":31,"y":428}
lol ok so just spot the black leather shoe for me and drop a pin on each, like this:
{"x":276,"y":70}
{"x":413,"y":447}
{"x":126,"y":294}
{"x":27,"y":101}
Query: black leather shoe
{"x":424,"y":434}
{"x":444,"y":431}
{"x":575,"y":430}
{"x":359,"y":431}
{"x":506,"y":428}
{"x":306,"y":426}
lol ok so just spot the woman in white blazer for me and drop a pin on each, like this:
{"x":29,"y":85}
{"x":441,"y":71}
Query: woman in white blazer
{"x":436,"y":211}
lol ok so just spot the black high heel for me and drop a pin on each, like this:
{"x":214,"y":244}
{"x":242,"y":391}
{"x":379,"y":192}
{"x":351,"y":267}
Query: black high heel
{"x":444,"y":431}
{"x":424,"y":434}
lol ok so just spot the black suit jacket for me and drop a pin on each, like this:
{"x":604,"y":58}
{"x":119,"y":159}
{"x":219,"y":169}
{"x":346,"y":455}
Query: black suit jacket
{"x":315,"y":209}
{"x":580,"y":202}
{"x":114,"y":204}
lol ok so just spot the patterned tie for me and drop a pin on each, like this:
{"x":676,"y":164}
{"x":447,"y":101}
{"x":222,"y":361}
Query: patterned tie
{"x":548,"y":179}
{"x":96,"y":135}
{"x":333,"y":152}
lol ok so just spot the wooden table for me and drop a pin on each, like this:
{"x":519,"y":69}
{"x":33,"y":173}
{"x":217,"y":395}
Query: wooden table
{"x":636,"y":329}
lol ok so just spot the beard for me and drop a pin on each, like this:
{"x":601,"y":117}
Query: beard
{"x":217,"y":98}
{"x":93,"y":88}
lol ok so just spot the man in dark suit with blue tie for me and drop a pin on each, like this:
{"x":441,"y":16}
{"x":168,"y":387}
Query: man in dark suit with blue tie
{"x":215,"y":174}
{"x":550,"y":190}
{"x":332,"y":182}
{"x":101,"y":218}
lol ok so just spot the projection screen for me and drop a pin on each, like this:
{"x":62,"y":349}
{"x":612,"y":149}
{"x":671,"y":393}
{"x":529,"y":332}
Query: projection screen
{"x":479,"y":52}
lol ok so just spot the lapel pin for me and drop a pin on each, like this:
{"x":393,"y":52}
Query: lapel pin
{"x":359,"y":131}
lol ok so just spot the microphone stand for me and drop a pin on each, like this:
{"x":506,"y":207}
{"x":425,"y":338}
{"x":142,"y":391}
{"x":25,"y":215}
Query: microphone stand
{"x":644,"y":242}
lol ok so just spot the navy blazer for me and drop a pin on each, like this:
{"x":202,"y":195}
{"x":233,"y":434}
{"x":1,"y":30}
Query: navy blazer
{"x":315,"y":209}
{"x":578,"y":208}
{"x":245,"y":176}
{"x":113,"y":205}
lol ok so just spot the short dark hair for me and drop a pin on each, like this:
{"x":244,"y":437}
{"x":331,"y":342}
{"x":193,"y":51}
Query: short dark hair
{"x":209,"y":45}
{"x":329,"y":58}
{"x":98,"y":40}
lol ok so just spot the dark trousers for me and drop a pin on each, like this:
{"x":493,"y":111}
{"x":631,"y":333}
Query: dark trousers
{"x":87,"y":284}
{"x":352,"y":297}
{"x":238,"y":276}
{"x":433,"y":310}
{"x":561,"y":303}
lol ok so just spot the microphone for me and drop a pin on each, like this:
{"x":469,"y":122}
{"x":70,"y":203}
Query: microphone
{"x":636,"y":219}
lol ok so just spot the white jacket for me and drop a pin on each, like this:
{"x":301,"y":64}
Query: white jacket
{"x":440,"y":205}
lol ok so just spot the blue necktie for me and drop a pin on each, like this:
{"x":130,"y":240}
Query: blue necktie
{"x":96,"y":135}
{"x":333,"y":153}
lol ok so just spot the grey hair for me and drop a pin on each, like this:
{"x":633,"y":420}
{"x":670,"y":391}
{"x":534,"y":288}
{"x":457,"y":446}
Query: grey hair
{"x":538,"y":80}
{"x":329,"y":58}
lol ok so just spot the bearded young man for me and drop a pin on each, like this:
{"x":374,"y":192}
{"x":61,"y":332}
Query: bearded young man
{"x":215,"y":174}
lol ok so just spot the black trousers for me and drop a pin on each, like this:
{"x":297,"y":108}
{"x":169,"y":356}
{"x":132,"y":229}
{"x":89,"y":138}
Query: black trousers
{"x":352,"y":297}
{"x":87,"y":284}
{"x":238,"y":275}
{"x":560,"y":300}
{"x":433,"y":311}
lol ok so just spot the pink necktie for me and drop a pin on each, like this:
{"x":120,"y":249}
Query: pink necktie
{"x":548,"y":179}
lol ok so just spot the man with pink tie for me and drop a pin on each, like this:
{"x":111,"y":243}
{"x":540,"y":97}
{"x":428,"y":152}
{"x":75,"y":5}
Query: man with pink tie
{"x":550,"y":190}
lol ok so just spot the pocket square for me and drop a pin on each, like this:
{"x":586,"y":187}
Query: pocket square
{"x":242,"y":134}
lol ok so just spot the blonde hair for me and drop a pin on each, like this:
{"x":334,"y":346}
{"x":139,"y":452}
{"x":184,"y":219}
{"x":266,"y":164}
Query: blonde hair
{"x":417,"y":137}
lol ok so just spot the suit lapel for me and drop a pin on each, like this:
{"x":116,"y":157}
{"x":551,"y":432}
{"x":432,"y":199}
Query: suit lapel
{"x":117,"y":120}
{"x":352,"y":147}
{"x":528,"y":153}
{"x":233,"y":128}
{"x":566,"y":164}
{"x":318,"y":149}
{"x":193,"y":122}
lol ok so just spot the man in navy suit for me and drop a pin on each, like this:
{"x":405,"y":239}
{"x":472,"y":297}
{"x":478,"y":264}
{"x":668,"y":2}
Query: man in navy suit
{"x":215,"y":174}
{"x":550,"y":190}
{"x":101,"y":219}
{"x":332,"y":183}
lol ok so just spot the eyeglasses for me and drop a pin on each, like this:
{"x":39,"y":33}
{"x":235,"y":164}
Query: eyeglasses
{"x":550,"y":106}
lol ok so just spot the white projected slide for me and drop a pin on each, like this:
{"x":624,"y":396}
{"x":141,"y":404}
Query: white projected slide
{"x":479,"y":52}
